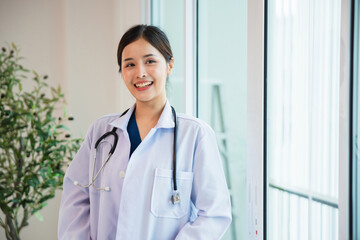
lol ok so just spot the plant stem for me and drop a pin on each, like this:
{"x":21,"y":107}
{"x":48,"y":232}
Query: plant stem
{"x":24,"y":219}
{"x":13,"y":233}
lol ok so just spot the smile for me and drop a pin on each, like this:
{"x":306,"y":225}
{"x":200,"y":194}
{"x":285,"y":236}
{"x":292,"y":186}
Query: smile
{"x":143,"y":84}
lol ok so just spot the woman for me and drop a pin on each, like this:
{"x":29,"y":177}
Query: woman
{"x":134,"y":196}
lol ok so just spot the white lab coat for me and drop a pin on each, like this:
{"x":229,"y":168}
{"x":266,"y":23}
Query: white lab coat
{"x":138,"y":205}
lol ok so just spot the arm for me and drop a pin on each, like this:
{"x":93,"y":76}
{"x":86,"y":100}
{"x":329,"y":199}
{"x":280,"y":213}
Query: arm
{"x":74,"y":213}
{"x":209,"y":194}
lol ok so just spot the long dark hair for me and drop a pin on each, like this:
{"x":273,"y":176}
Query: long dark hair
{"x":151,"y":34}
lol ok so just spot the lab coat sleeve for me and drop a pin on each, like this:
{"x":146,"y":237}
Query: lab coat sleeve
{"x":210,"y":193}
{"x":74,"y":213}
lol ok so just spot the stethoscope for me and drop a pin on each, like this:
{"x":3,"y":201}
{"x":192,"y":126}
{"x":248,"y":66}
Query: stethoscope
{"x":175,"y":198}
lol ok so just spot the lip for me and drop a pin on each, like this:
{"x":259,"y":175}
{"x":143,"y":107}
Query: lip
{"x":143,"y":88}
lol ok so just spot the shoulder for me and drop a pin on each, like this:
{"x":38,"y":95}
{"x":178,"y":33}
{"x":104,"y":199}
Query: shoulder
{"x":195,"y":125}
{"x":102,"y":124}
{"x":106,"y":119}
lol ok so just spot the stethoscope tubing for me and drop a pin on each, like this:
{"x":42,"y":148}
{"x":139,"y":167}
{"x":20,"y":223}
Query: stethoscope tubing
{"x":174,"y":149}
{"x":175,"y":198}
{"x":93,"y":178}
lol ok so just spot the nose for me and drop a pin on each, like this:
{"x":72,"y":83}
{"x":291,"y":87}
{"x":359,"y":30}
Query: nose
{"x":141,"y":71}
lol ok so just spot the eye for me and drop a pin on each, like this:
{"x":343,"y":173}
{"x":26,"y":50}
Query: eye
{"x":129,"y":65}
{"x":150,"y":61}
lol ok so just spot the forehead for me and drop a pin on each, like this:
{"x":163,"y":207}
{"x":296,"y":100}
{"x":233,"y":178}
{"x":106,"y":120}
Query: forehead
{"x":139,"y":48}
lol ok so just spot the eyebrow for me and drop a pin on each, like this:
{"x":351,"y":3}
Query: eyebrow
{"x":145,"y":56}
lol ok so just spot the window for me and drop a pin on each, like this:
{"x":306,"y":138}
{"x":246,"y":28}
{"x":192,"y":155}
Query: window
{"x":221,"y":79}
{"x":222,"y":84}
{"x":356,"y":127}
{"x":306,"y":127}
{"x":302,"y":138}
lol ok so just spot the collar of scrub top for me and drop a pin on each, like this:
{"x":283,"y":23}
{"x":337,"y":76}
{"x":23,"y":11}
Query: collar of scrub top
{"x":165,"y":121}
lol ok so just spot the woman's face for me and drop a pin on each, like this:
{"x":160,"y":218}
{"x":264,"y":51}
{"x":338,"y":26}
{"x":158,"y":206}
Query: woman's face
{"x":144,"y":71}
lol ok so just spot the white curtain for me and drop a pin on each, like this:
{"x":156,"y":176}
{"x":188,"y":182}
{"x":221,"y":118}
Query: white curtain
{"x":303,"y":118}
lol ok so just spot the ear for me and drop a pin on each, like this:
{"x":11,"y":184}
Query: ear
{"x":170,"y":66}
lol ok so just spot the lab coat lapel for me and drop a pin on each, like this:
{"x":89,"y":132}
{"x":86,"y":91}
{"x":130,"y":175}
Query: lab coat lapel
{"x":166,"y":119}
{"x":122,"y":122}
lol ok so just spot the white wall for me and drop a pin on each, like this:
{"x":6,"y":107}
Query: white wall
{"x":75,"y":43}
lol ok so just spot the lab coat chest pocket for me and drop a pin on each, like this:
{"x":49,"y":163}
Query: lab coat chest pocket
{"x":161,"y":205}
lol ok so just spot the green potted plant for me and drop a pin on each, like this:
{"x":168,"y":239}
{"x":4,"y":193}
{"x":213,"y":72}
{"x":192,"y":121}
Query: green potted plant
{"x":35,"y":143}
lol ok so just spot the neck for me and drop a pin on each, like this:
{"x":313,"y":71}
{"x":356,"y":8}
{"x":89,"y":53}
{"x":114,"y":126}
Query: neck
{"x":149,"y":111}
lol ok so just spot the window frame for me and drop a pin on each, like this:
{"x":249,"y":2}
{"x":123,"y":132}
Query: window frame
{"x":345,"y":154}
{"x":344,"y":122}
{"x":354,"y":125}
{"x":256,"y":169}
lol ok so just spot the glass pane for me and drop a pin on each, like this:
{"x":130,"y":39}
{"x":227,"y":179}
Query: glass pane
{"x":222,"y":32}
{"x":290,"y":216}
{"x":327,"y":217}
{"x":303,"y":67}
{"x":356,"y":126}
{"x":169,"y":16}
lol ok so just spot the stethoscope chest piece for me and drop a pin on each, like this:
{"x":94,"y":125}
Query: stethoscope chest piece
{"x":175,"y":198}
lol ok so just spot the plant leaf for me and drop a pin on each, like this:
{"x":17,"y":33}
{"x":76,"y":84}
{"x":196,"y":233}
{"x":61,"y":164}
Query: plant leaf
{"x":39,"y":216}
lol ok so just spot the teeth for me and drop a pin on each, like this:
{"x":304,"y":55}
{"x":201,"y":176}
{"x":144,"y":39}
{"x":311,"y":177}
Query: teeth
{"x":144,"y":84}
